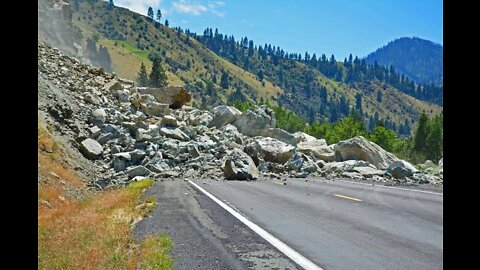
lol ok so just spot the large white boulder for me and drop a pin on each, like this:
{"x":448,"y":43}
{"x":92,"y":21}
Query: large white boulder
{"x":240,"y":166}
{"x":223,"y":115}
{"x":359,"y":148}
{"x":269,"y":149}
{"x":251,"y":122}
{"x":318,"y":148}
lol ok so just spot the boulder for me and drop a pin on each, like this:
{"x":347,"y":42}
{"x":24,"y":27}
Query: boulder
{"x":169,"y":120}
{"x":174,"y":133}
{"x":400,"y":169}
{"x":99,"y":116}
{"x":91,"y":98}
{"x":174,"y":96}
{"x":359,"y":148}
{"x":269,"y":149}
{"x":90,"y":148}
{"x":113,"y":85}
{"x":279,"y":134}
{"x":251,"y":122}
{"x":302,"y":137}
{"x":95,"y":131}
{"x":119,"y":164}
{"x":153,"y":108}
{"x":149,"y":134}
{"x":138,"y":171}
{"x":239,"y":166}
{"x":199,"y":118}
{"x":223,"y":115}
{"x":122,"y":95}
{"x":318,"y":148}
{"x":368,"y":172}
{"x":345,"y":166}
{"x":302,"y":162}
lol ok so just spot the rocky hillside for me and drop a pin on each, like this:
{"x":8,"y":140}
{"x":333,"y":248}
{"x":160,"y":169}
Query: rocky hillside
{"x":130,"y":38}
{"x":122,"y":134}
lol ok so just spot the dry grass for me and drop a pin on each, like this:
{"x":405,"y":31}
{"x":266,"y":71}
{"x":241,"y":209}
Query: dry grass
{"x":93,"y":233}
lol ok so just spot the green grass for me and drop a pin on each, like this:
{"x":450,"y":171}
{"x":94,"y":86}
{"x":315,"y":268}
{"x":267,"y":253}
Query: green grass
{"x":143,"y":55}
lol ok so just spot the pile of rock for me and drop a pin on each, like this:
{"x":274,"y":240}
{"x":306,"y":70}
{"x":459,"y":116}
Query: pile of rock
{"x":133,"y":132}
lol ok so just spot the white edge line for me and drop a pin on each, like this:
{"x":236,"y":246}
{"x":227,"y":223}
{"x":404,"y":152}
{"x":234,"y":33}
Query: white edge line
{"x":407,"y":189}
{"x":288,"y":251}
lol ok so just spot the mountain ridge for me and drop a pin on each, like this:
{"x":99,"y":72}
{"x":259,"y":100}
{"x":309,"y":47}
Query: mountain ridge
{"x":424,"y":62}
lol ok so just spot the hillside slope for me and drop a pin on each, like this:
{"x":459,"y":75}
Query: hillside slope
{"x":419,"y":59}
{"x":130,"y":38}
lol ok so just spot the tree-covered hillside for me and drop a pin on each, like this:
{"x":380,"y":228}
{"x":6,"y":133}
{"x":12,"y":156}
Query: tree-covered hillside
{"x":420,"y":60}
{"x":219,"y":69}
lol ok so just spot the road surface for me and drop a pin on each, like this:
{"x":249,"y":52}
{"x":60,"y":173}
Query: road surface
{"x":335,"y":224}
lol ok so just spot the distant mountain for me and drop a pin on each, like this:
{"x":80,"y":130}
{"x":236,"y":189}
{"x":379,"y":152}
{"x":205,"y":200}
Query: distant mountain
{"x":419,"y":59}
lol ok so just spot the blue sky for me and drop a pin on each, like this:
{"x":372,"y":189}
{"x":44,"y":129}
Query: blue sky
{"x":340,"y":27}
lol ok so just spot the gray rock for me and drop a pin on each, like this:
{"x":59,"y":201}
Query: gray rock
{"x":317,"y":148}
{"x":302,"y":137}
{"x":99,"y":116}
{"x":223,"y":115}
{"x":279,"y":134}
{"x":174,"y":133}
{"x":400,"y":169}
{"x":137,"y":155}
{"x":91,"y":98}
{"x":124,"y":155}
{"x":239,"y":166}
{"x":95,"y":131}
{"x":119,"y":164}
{"x":104,"y":138}
{"x":251,"y":122}
{"x":151,"y":107}
{"x":90,"y":148}
{"x":138,"y":171}
{"x":359,"y":148}
{"x":199,"y":118}
{"x":170,"y":121}
{"x":344,"y":166}
{"x":368,"y":171}
{"x":149,"y":134}
{"x":113,"y":85}
{"x":193,"y":150}
{"x":115,"y":149}
{"x":303,"y":174}
{"x":122,"y":95}
{"x":269,"y":149}
{"x":423,"y":178}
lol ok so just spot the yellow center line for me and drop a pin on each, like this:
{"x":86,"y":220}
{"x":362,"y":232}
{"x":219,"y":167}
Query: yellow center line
{"x":346,"y":197}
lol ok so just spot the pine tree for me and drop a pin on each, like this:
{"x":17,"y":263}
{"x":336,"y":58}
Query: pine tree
{"x":150,"y":13}
{"x":166,"y":23}
{"x":260,"y":75}
{"x":224,"y":80}
{"x":142,"y":78}
{"x":110,"y":5}
{"x":420,"y":137}
{"x":157,"y":77}
{"x":159,"y":15}
{"x":434,"y":142}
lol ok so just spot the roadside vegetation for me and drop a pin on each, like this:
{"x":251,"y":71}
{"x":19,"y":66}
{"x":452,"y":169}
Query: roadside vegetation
{"x":425,"y":144}
{"x":83,"y":229}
